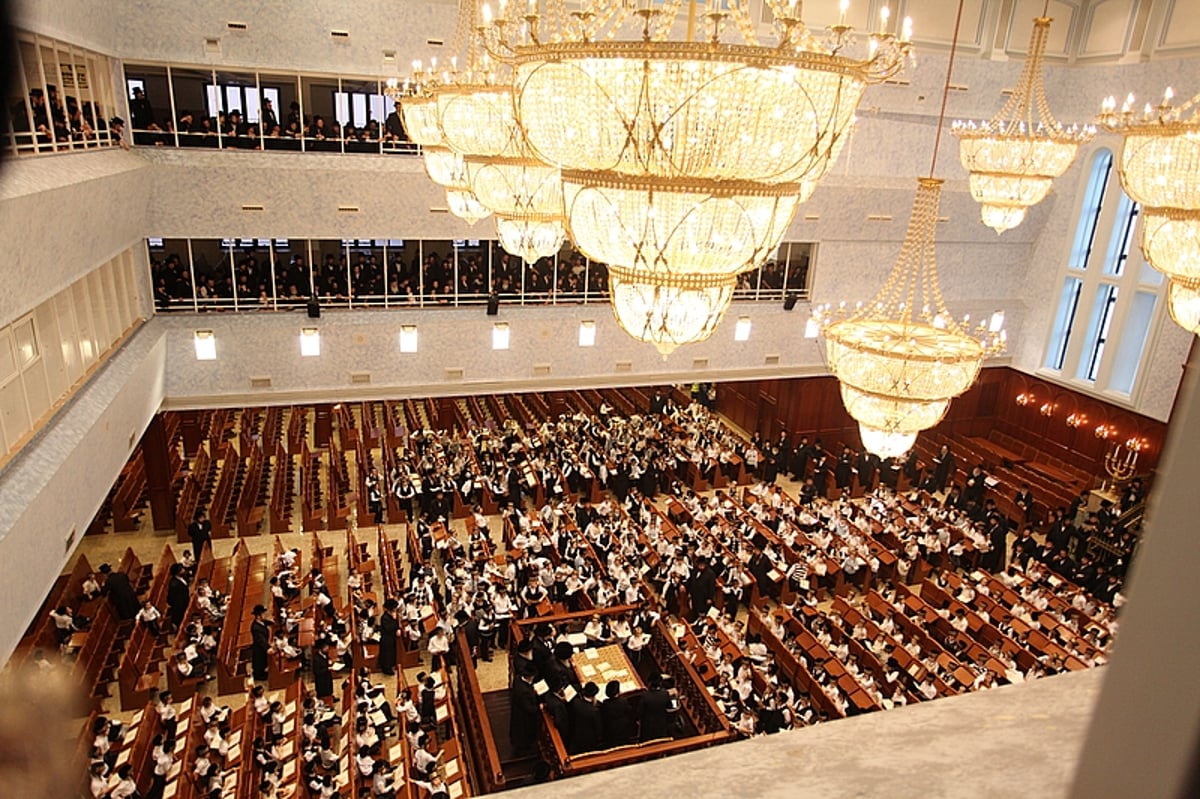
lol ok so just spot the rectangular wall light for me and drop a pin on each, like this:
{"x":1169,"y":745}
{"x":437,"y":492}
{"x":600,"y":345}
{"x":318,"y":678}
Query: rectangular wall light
{"x":408,"y":338}
{"x":310,"y":342}
{"x":500,"y":336}
{"x":587,"y":333}
{"x":206,"y":345}
{"x":742,"y":331}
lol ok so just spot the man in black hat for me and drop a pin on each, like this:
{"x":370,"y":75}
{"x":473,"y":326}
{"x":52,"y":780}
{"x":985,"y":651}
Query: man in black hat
{"x":389,"y":626}
{"x":524,"y":721}
{"x":394,"y":129}
{"x":260,"y":641}
{"x":523,"y":663}
{"x":587,"y":734}
{"x":141,"y":114}
{"x":120,"y":591}
{"x":200,"y":531}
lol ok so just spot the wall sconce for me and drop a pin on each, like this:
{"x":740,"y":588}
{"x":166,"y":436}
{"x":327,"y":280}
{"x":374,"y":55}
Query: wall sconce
{"x":1047,"y":409}
{"x":1105,"y":431}
{"x":1136,"y":444}
{"x":1076,"y":420}
{"x":1025,"y":398}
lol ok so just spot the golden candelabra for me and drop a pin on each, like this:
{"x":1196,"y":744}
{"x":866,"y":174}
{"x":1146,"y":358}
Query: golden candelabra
{"x":1121,"y":466}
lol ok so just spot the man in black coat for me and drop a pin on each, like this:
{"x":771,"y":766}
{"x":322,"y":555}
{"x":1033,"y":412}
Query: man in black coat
{"x":119,"y":590}
{"x":524,"y":720}
{"x":653,"y":711}
{"x":943,"y":468}
{"x":702,"y":589}
{"x":389,"y":626}
{"x":200,"y":531}
{"x":522,"y":662}
{"x":867,"y":465}
{"x":820,"y":474}
{"x":616,"y":716}
{"x":800,"y":455}
{"x":322,"y":675}
{"x":178,"y":596}
{"x":260,"y":643}
{"x":587,"y":735}
{"x":843,"y":472}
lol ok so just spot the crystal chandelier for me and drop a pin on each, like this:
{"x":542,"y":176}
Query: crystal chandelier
{"x":1160,"y":169}
{"x":683,"y":161}
{"x":901,"y":358}
{"x":668,"y":310}
{"x":419,"y":112}
{"x":1015,"y":157}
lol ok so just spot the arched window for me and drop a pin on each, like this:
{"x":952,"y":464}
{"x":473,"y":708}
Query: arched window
{"x":1109,"y":302}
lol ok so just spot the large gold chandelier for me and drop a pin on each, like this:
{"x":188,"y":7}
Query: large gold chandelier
{"x":902,"y":357}
{"x":683,"y":161}
{"x":1160,"y":169}
{"x":421,"y":118}
{"x":1015,"y":157}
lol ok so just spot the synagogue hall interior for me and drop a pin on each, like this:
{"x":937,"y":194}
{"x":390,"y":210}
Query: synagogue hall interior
{"x":605,"y":398}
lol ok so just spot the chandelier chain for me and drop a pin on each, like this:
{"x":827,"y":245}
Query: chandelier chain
{"x":937,"y":140}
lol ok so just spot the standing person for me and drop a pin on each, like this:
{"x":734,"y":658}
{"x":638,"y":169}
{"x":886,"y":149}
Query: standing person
{"x":389,"y":627}
{"x":844,"y":470}
{"x":375,"y":495}
{"x":800,"y":456}
{"x":653,"y":711}
{"x":702,"y":589}
{"x":322,"y":676}
{"x":260,"y":637}
{"x":943,"y":468}
{"x":524,"y":722}
{"x":119,"y":590}
{"x":178,"y":596}
{"x":200,"y":531}
{"x":616,"y":716}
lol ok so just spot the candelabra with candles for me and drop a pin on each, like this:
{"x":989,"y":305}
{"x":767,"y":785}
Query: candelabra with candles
{"x":1121,"y":465}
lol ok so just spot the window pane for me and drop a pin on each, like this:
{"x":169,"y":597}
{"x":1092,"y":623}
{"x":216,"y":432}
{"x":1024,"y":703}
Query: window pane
{"x":1089,"y":215}
{"x":251,"y":107}
{"x":341,"y":106}
{"x":214,"y":100}
{"x":1097,"y":332}
{"x":1064,"y":319}
{"x":1132,"y":344}
{"x":233,"y":99}
{"x":1122,"y":237}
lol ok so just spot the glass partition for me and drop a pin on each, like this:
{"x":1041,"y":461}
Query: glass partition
{"x":251,"y":274}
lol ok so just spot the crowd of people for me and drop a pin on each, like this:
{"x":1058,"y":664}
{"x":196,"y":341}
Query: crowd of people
{"x":439,"y":278}
{"x":48,"y":122}
{"x":692,"y":569}
{"x":293,"y":131}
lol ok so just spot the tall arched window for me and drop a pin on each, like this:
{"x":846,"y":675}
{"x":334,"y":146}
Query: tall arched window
{"x":1110,"y":297}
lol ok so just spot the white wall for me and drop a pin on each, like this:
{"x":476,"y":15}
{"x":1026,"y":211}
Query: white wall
{"x":59,"y":481}
{"x":62,"y":216}
{"x":267,"y":345}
